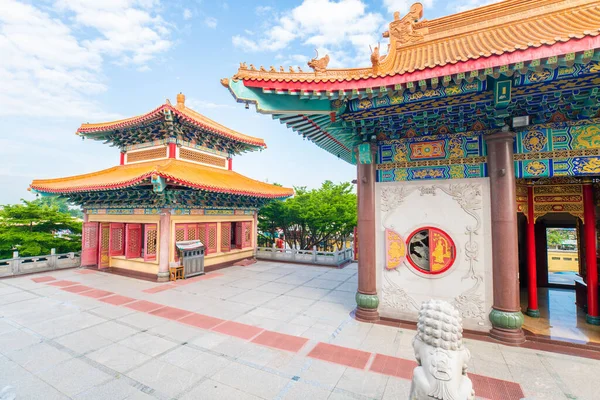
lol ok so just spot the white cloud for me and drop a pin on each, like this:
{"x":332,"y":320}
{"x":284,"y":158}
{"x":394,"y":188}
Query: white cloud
{"x":404,"y":5}
{"x":187,"y":14}
{"x":464,"y":5}
{"x":262,"y":10}
{"x":211,"y":22}
{"x":48,"y":71}
{"x":324,"y":24}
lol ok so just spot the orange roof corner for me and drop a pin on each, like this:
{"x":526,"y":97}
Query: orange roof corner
{"x":417,"y":44}
{"x":176,"y":171}
{"x":182,"y":111}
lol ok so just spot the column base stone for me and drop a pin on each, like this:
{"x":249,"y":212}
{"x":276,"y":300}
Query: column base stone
{"x":533,"y":313}
{"x":508,"y":336}
{"x":590,"y":319}
{"x":366,"y":315}
{"x":162,"y":277}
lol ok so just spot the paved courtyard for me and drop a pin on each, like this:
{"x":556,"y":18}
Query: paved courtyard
{"x":266,"y":331}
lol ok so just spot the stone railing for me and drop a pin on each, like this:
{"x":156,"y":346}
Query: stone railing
{"x":334,"y":258}
{"x":27,"y":265}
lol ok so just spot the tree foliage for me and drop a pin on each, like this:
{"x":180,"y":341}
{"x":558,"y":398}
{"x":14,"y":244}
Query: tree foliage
{"x":32,"y":229}
{"x":556,"y":237}
{"x":60,"y":203}
{"x":312,"y":217}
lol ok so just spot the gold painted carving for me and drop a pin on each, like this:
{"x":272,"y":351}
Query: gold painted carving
{"x":558,"y":199}
{"x":408,"y":30}
{"x":319,"y":64}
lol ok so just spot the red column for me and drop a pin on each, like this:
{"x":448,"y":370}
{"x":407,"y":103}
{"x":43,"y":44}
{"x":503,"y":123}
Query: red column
{"x":532,"y":308}
{"x":366,"y":298}
{"x":172,"y":150}
{"x":122,"y":160}
{"x":164,"y":246}
{"x":589,"y":226}
{"x":230,"y":163}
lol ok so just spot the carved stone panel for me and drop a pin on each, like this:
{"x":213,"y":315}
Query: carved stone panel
{"x":446,"y":224}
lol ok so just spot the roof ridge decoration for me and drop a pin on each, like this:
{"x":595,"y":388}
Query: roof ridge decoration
{"x":418,"y":44}
{"x":182,"y":111}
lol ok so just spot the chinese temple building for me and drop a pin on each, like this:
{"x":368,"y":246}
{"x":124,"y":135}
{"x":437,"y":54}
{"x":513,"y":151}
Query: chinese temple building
{"x":471,"y":133}
{"x":174,"y":183}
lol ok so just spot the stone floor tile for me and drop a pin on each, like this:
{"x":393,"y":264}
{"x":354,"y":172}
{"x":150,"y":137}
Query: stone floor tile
{"x":176,"y":331}
{"x":148,"y":344}
{"x":322,"y":373}
{"x":66,"y":324}
{"x":322,"y":283}
{"x":142,"y":320}
{"x":5,"y":327}
{"x":397,"y":388}
{"x":29,"y":387}
{"x":16,"y":297}
{"x":308,"y":293}
{"x":83,"y":341}
{"x":251,"y":380}
{"x":38,"y":357}
{"x":303,"y":391}
{"x":363,"y":383}
{"x":166,"y":378}
{"x":210,"y":389}
{"x":73,"y":376}
{"x":112,"y":331}
{"x":118,"y":357}
{"x":199,"y":362}
{"x":15,"y":340}
{"x":276,"y":288}
{"x":111,"y":311}
{"x":116,"y":389}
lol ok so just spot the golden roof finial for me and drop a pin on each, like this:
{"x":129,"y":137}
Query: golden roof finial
{"x":180,"y":101}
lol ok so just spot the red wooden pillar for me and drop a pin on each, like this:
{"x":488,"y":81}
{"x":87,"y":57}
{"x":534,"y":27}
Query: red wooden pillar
{"x":532,"y":307}
{"x":589,"y":226}
{"x":366,"y":297}
{"x":172,"y":150}
{"x":122,"y":159}
{"x":230,"y":163}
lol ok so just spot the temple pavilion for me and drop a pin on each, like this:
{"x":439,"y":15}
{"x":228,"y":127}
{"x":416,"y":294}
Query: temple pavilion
{"x":472,"y":134}
{"x":174,"y":183}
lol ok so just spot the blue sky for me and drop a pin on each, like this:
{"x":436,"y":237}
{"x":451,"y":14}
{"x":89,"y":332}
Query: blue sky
{"x":64,"y":62}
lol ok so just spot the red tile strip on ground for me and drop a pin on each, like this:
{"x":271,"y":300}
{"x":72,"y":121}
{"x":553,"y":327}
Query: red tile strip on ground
{"x":85,"y":271}
{"x":63,"y":283}
{"x":237,"y":329}
{"x":201,"y":321}
{"x":495,"y":389}
{"x":280,"y":341}
{"x":160,"y":288}
{"x":144,"y":306}
{"x":117,"y":300}
{"x":171,"y":313}
{"x":393,"y":366}
{"x":43,"y":279}
{"x":340,"y":355}
{"x":97,"y":293}
{"x":77,"y":288}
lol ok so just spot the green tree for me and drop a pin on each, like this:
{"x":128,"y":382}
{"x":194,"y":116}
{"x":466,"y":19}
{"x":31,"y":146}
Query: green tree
{"x":60,"y":203}
{"x":312,"y":217}
{"x":555,"y":237}
{"x":31,"y":228}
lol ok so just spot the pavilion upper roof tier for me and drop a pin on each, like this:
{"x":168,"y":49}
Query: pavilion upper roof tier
{"x":174,"y":172}
{"x":171,"y":121}
{"x":510,"y":32}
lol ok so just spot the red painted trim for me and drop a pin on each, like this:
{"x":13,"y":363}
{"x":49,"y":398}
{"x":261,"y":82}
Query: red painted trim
{"x":230,"y":164}
{"x":589,"y":226}
{"x":122,"y":158}
{"x":545,"y":51}
{"x":172,"y":150}
{"x":531,"y":256}
{"x":324,"y":132}
{"x":431,"y":229}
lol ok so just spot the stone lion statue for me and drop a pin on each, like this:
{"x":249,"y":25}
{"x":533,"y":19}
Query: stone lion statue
{"x":442,"y":358}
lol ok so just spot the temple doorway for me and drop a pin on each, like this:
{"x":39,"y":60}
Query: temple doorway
{"x":563,"y":256}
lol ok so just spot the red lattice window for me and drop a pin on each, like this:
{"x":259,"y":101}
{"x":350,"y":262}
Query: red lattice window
{"x":133,"y":240}
{"x":180,"y":235}
{"x":150,"y":242}
{"x":238,"y":235}
{"x":117,"y":239}
{"x":247,"y":234}
{"x":225,"y":236}
{"x":89,"y":244}
{"x":211,"y":238}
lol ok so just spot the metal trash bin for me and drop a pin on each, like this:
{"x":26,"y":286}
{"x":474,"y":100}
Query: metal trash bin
{"x":191,"y":254}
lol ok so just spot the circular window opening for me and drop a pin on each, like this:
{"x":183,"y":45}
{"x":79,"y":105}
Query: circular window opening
{"x":431,"y":250}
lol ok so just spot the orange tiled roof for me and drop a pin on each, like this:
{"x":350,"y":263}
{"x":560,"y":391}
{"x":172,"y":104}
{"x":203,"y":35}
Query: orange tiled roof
{"x":182,"y":112}
{"x":417,"y":44}
{"x":175,"y":171}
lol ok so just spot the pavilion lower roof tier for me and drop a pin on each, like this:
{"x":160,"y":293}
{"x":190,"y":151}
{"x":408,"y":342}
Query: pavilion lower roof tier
{"x":161,"y":183}
{"x":171,"y":123}
{"x":481,"y":42}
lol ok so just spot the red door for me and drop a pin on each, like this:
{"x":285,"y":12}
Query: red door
{"x":117,"y":238}
{"x":150,"y":242}
{"x":104,"y":245}
{"x":133,"y":241}
{"x":89,"y":244}
{"x":239,"y":230}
